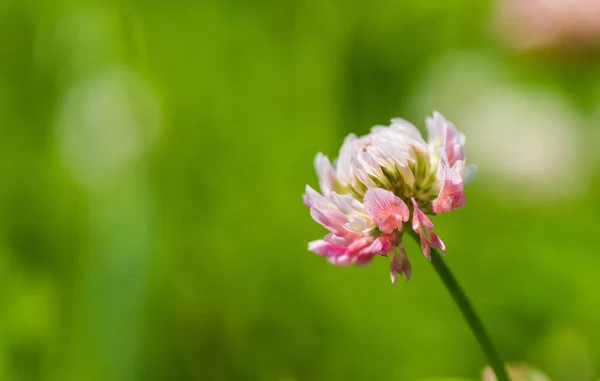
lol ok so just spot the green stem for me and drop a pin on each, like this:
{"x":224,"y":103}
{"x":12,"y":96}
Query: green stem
{"x":470,"y":315}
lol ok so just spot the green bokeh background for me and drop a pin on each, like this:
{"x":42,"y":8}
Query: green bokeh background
{"x":152,"y":160}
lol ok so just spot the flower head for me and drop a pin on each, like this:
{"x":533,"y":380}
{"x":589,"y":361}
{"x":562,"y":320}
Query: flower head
{"x":549,"y":24}
{"x":379,"y":183}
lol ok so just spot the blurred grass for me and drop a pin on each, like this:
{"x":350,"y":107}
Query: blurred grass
{"x":185,"y":258}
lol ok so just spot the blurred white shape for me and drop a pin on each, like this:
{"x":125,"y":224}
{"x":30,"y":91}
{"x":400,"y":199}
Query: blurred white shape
{"x":105,"y":123}
{"x":534,"y":24}
{"x":529,"y":138}
{"x":527,"y":143}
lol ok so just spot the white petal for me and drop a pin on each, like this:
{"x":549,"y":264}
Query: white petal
{"x":347,"y":204}
{"x":325,"y":173}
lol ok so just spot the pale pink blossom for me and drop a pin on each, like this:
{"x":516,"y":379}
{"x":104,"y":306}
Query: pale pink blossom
{"x":517,"y":372}
{"x":549,"y":24}
{"x":379,"y":180}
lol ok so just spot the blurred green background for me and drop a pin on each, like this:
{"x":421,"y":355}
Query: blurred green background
{"x":152,"y":160}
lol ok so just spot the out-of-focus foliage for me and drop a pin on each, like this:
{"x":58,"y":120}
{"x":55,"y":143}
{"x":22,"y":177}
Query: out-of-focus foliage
{"x":152,"y":160}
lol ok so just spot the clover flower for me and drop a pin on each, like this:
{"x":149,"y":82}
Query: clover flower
{"x":549,"y":24}
{"x":384,"y":184}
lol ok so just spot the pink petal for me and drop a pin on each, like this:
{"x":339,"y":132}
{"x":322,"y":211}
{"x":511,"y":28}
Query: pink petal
{"x":381,"y":245}
{"x":326,"y":249}
{"x":451,"y":194}
{"x":422,"y":226}
{"x":442,"y":133}
{"x":332,"y":220}
{"x":386,"y":209}
{"x":341,"y":260}
{"x":420,"y":220}
{"x":312,"y":197}
{"x":455,"y":153}
{"x":436,"y":130}
{"x":343,"y":237}
{"x":399,"y":264}
{"x":349,"y":248}
{"x":363,"y":259}
{"x":360,"y":244}
{"x":323,"y":210}
{"x":359,"y":251}
{"x":306,"y":200}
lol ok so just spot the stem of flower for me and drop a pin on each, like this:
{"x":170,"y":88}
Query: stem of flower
{"x":470,"y":315}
